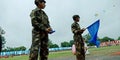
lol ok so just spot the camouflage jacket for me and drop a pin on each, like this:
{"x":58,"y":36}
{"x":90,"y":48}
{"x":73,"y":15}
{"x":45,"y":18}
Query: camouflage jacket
{"x":76,"y":28}
{"x":39,"y":20}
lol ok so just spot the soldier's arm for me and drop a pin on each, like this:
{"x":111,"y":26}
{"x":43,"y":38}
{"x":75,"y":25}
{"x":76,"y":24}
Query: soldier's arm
{"x":81,"y":30}
{"x":74,"y":30}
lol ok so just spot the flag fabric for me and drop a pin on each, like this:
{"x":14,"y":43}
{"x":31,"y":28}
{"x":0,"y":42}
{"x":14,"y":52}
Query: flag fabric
{"x":93,"y":30}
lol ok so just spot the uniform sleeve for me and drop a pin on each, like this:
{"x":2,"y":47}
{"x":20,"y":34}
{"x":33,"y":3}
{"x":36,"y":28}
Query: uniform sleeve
{"x":39,"y":25}
{"x":48,"y":24}
{"x":73,"y":28}
{"x":47,"y":19}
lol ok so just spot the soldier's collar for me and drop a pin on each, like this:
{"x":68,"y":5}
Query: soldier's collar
{"x":76,"y":22}
{"x":38,"y":8}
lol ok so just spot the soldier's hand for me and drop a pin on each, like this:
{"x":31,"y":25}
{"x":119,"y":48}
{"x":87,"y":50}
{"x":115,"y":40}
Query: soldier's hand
{"x":83,"y":29}
{"x":48,"y":30}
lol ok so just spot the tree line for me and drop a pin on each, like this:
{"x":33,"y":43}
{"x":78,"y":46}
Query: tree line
{"x":63,"y":44}
{"x":86,"y":37}
{"x":21,"y":48}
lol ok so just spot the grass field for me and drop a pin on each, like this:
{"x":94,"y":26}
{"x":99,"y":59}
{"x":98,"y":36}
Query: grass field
{"x":93,"y":52}
{"x":104,"y":50}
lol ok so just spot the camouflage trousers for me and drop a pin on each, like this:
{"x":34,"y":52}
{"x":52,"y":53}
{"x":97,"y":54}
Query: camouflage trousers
{"x":39,"y":46}
{"x":80,"y":53}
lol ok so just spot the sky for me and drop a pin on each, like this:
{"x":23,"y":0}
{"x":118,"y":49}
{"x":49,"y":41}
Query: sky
{"x":15,"y":19}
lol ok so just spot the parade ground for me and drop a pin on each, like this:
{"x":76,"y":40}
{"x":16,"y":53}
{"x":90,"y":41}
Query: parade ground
{"x":102,"y":53}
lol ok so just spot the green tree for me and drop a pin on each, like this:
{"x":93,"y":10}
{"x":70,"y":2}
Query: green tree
{"x":51,"y":45}
{"x":7,"y":49}
{"x":87,"y":37}
{"x":4,"y":50}
{"x":71,"y":42}
{"x":118,"y":38}
{"x":54,"y":46}
{"x":65,"y":44}
{"x":104,"y":39}
{"x":21,"y":48}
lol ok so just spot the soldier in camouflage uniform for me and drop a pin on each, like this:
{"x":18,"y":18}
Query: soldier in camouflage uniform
{"x":78,"y":41}
{"x":40,"y":31}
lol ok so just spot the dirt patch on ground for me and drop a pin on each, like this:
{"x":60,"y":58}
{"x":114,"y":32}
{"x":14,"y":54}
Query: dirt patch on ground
{"x":116,"y":53}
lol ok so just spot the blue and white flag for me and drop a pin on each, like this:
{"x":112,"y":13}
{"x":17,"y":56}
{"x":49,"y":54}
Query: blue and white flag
{"x":93,"y":30}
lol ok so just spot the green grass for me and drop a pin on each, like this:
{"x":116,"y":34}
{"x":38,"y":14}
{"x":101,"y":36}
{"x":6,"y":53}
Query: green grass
{"x":16,"y":58}
{"x":51,"y":55}
{"x":60,"y":54}
{"x":93,"y":52}
{"x":104,"y":50}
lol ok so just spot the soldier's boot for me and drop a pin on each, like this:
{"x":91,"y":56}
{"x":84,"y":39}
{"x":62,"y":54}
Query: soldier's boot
{"x":43,"y":58}
{"x":32,"y":59}
{"x":33,"y":55}
{"x":80,"y":57}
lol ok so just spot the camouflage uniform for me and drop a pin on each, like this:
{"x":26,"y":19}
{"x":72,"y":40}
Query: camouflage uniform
{"x":78,"y":41}
{"x":39,"y":35}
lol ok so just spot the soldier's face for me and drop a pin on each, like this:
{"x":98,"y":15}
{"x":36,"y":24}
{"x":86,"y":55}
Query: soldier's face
{"x":77,"y":19}
{"x":41,"y":5}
